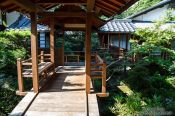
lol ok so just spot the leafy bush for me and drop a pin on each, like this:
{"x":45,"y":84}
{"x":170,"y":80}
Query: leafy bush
{"x":8,"y":100}
{"x":11,"y":48}
{"x":127,"y":106}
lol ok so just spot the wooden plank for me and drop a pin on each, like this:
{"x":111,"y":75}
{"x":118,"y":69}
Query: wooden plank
{"x":88,"y":51}
{"x":23,"y":105}
{"x":63,"y":96}
{"x":20,"y":78}
{"x":34,"y":52}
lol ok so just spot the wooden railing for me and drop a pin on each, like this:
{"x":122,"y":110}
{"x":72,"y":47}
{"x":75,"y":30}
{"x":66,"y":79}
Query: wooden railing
{"x":24,"y":69}
{"x":98,"y":70}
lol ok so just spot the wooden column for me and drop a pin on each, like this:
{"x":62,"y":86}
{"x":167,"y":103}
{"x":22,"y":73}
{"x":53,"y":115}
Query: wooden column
{"x":62,"y":61}
{"x":34,"y":52}
{"x":20,"y":78}
{"x":108,"y":40}
{"x":127,"y":39}
{"x":88,"y":51}
{"x":119,"y":44}
{"x":104,"y":78}
{"x":52,"y":40}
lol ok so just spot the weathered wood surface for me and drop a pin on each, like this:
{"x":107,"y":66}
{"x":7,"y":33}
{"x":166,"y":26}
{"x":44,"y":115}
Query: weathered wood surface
{"x":22,"y":106}
{"x":64,"y":95}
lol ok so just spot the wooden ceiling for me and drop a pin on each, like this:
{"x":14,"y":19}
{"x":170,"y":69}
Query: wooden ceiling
{"x":70,"y":11}
{"x":100,"y":7}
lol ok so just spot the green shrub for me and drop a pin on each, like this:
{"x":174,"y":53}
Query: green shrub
{"x":138,"y":78}
{"x":11,"y":48}
{"x":127,"y":106}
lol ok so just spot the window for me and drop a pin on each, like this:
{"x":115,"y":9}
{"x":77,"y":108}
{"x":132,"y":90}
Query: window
{"x":44,"y":40}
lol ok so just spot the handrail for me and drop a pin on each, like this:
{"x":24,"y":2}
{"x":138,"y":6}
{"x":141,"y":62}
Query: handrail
{"x":114,"y":62}
{"x":99,"y":62}
{"x":27,"y":63}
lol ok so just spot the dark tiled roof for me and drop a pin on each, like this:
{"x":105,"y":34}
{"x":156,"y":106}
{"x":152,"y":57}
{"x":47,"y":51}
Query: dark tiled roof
{"x":24,"y":22}
{"x":118,"y":26}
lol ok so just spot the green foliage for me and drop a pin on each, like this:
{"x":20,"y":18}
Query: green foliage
{"x":8,"y":100}
{"x":11,"y":48}
{"x":75,"y":41}
{"x":155,"y":40}
{"x":137,"y":7}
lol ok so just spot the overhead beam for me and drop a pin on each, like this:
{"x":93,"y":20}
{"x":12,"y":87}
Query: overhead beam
{"x":62,"y":14}
{"x":90,"y":5}
{"x":27,"y":4}
{"x":61,"y":1}
{"x":74,"y":25}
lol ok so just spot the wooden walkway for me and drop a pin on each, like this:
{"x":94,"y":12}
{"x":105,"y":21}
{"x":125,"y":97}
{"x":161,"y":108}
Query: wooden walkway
{"x":63,"y":96}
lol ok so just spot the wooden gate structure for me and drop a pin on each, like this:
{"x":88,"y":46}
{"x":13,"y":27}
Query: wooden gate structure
{"x":65,"y":15}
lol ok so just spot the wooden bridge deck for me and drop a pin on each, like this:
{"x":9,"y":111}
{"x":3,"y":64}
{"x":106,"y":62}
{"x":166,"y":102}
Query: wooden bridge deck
{"x":63,"y":96}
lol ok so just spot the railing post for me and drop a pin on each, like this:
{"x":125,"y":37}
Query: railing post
{"x":42,"y":56}
{"x":20,"y":78}
{"x":104,"y":78}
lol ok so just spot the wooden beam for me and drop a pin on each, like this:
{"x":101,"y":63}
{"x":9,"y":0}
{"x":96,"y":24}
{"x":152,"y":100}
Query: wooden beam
{"x":110,"y":6}
{"x":117,"y":2}
{"x":88,"y":51}
{"x":27,"y":4}
{"x":74,"y":25}
{"x":62,"y":14}
{"x":107,"y":9}
{"x":90,"y":5}
{"x":34,"y":52}
{"x":61,"y":1}
{"x":52,"y":40}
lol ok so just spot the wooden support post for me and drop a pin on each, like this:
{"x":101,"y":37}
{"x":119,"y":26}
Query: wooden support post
{"x":63,"y":48}
{"x":52,"y":40}
{"x":119,"y":44}
{"x":88,"y":51}
{"x":20,"y":78}
{"x":34,"y":52}
{"x":127,"y":39}
{"x":42,"y":56}
{"x":104,"y":78}
{"x":108,"y":40}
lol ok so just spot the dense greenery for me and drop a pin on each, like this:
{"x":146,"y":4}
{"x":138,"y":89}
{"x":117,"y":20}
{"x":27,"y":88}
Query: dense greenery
{"x":138,"y":7}
{"x":11,"y":48}
{"x":151,"y":78}
{"x":75,"y":41}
